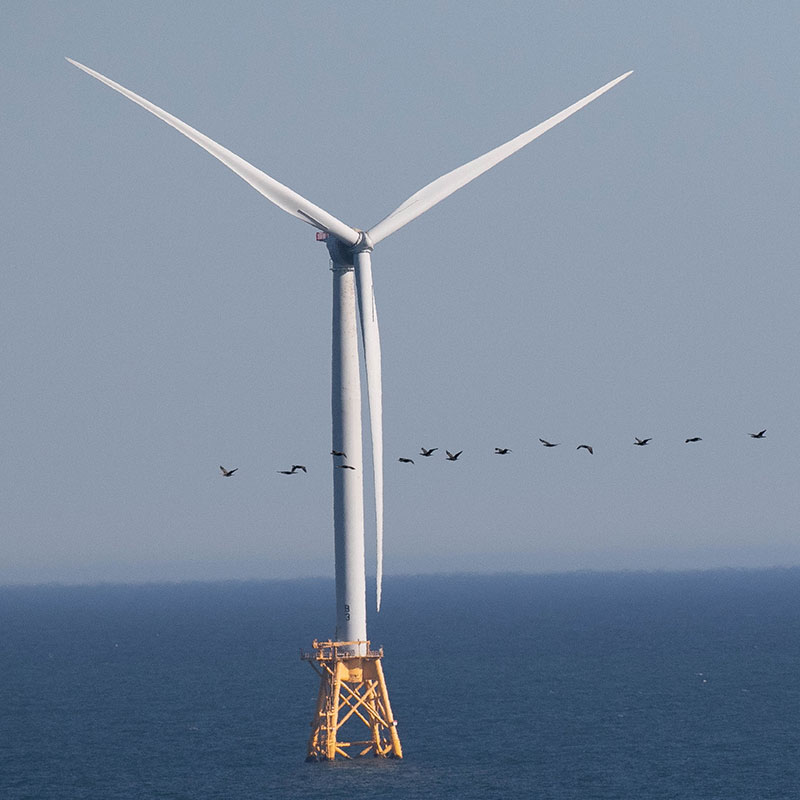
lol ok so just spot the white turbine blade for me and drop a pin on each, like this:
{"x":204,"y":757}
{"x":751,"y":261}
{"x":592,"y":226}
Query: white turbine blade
{"x":281,"y":195}
{"x":370,"y":336}
{"x":436,"y":191}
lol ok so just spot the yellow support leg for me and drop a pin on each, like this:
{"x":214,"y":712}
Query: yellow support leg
{"x":352,"y":692}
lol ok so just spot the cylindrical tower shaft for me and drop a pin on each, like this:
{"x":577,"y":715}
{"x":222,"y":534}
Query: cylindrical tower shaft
{"x":348,"y":486}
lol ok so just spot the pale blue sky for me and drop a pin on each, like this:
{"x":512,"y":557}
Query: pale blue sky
{"x":632,"y":273}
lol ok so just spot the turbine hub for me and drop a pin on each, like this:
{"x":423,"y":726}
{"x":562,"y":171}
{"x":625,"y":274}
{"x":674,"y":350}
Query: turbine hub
{"x":343,"y":254}
{"x":363,"y":244}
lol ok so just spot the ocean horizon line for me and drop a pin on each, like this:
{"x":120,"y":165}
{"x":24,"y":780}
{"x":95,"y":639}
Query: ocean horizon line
{"x":403,"y":576}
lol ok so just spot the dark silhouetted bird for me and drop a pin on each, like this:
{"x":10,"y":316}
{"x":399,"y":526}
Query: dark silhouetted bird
{"x":585,"y":447}
{"x":338,"y":453}
{"x":549,"y":444}
{"x":406,"y":460}
{"x":345,"y":466}
{"x":501,"y":451}
{"x":293,"y":470}
{"x":759,"y":435}
{"x":642,"y":442}
{"x":424,"y":452}
{"x":693,"y":439}
{"x":453,"y":456}
{"x":228,"y":472}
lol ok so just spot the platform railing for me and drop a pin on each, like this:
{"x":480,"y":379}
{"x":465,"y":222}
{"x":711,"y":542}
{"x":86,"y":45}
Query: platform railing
{"x":333,"y":651}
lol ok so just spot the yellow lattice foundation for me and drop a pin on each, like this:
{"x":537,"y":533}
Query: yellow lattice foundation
{"x":352,"y":692}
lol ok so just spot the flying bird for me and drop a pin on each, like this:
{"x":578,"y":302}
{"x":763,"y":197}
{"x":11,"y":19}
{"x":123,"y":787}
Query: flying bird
{"x":452,"y":456}
{"x":424,"y":452}
{"x":293,"y":470}
{"x":549,"y":444}
{"x":642,"y":442}
{"x":759,"y":435}
{"x":338,"y":453}
{"x":585,"y":447}
{"x":344,"y":466}
{"x":227,"y":472}
{"x":406,"y":460}
{"x":693,"y":439}
{"x":501,"y":451}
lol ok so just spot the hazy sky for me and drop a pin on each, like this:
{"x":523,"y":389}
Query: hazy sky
{"x":634,"y":272}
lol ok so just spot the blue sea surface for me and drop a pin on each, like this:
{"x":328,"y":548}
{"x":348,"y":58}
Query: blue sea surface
{"x":591,"y":685}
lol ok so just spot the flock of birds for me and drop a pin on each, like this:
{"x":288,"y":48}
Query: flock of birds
{"x":427,"y":452}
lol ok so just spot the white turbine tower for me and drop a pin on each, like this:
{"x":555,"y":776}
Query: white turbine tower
{"x":350,"y":250}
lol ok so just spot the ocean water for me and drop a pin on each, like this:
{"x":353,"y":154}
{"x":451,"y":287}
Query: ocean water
{"x":627,"y":685}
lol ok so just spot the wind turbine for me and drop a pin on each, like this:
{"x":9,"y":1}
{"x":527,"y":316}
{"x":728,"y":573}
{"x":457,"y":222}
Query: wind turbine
{"x":350,"y":251}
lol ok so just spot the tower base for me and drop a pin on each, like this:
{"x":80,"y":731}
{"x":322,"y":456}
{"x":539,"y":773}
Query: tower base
{"x":352,"y":690}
